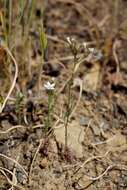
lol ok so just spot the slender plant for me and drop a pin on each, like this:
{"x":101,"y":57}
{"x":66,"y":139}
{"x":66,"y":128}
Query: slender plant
{"x":74,"y":47}
{"x":43,"y":45}
{"x":50,"y":87}
{"x":89,"y":54}
{"x":8,"y":20}
{"x":18,"y":105}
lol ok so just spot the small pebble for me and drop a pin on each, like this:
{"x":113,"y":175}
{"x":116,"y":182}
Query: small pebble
{"x":44,"y":163}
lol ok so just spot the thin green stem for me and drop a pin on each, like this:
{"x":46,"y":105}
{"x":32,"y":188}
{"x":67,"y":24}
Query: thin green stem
{"x":50,"y":110}
{"x":10,"y":18}
{"x":69,"y":102}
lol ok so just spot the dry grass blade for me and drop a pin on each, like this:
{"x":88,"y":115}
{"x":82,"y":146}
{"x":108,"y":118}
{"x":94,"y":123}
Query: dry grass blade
{"x":14,"y":177}
{"x":101,"y":175}
{"x":14,"y":161}
{"x":115,"y":45}
{"x":12,"y":183}
{"x":91,"y":159}
{"x":14,"y":80}
{"x":11,"y":129}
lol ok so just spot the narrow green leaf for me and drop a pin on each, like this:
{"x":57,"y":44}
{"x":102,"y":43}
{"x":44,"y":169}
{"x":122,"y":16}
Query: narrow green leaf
{"x":43,"y":41}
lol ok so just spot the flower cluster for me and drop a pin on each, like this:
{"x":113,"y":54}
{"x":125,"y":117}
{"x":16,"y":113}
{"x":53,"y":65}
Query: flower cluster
{"x":92,"y":53}
{"x":74,"y":46}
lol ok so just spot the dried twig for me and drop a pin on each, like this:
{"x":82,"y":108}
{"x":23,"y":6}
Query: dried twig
{"x":14,"y":80}
{"x":12,"y":128}
{"x":101,"y":175}
{"x":14,"y":161}
{"x":115,"y":45}
{"x":91,"y":159}
{"x":12,"y":183}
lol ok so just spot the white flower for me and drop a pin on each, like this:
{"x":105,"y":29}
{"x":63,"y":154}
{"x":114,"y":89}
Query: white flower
{"x":91,"y":50}
{"x":49,"y":86}
{"x":85,"y":45}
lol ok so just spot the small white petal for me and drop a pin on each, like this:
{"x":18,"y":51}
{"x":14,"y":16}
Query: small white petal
{"x":53,"y":85}
{"x":85,"y":45}
{"x":69,"y":40}
{"x":91,"y":50}
{"x":72,"y":39}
